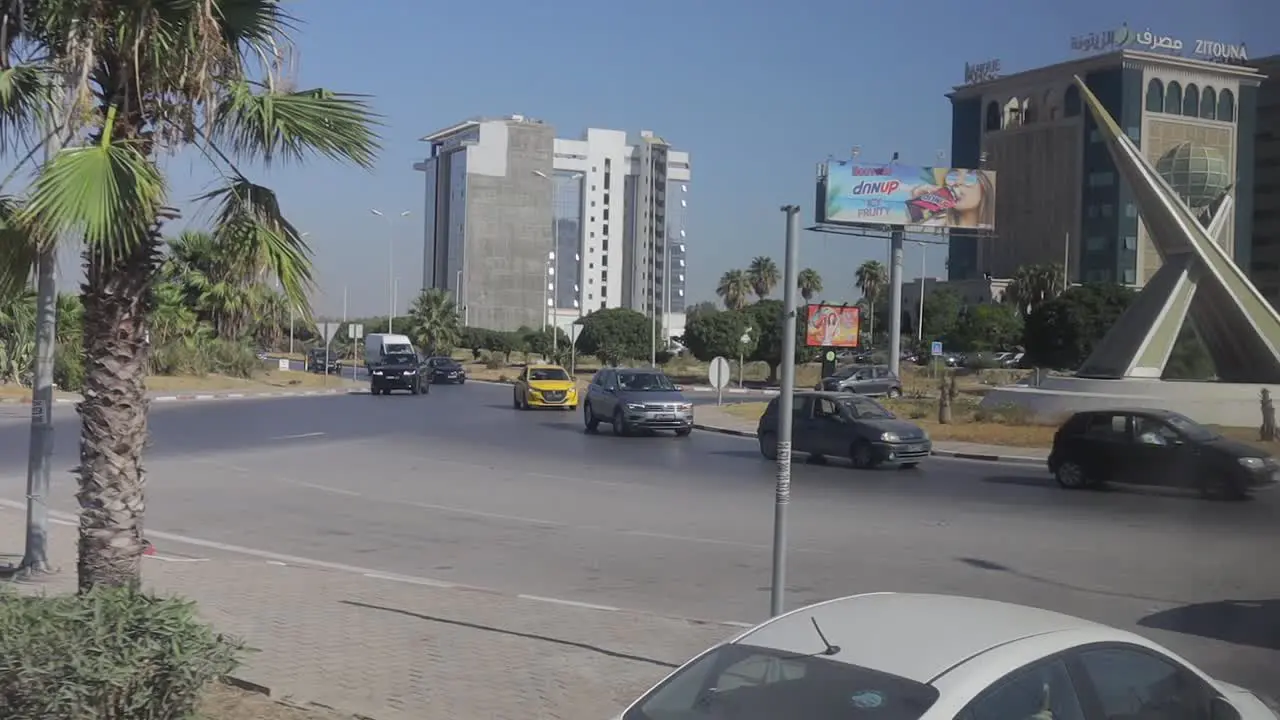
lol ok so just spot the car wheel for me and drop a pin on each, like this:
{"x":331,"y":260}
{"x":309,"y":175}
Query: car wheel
{"x":416,"y":389}
{"x":862,"y":455}
{"x":620,"y":423}
{"x":1071,"y":476}
{"x":683,"y":432}
{"x":1221,"y":488}
{"x":589,"y":419}
{"x":462,"y":382}
{"x":893,"y":393}
{"x":769,"y":445}
{"x":515,"y":400}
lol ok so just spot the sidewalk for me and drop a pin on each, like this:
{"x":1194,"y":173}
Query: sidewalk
{"x":713,"y":419}
{"x":391,"y":649}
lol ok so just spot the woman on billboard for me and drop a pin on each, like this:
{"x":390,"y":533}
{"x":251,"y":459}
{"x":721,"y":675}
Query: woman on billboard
{"x":967,"y":200}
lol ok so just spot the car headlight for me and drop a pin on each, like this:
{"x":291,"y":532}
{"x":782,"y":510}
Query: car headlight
{"x":410,"y":372}
{"x":377,"y":372}
{"x":686,"y":406}
{"x":635,"y":406}
{"x":1253,"y":463}
{"x":889,"y":437}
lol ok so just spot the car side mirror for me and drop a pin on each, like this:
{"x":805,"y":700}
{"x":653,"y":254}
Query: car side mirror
{"x":1220,"y":709}
{"x":679,"y":388}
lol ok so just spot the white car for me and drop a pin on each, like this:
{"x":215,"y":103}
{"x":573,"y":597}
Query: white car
{"x":891,"y":656}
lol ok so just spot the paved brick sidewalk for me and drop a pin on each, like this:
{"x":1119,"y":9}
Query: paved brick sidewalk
{"x":391,"y":649}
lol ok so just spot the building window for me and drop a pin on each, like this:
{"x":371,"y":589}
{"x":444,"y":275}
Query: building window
{"x":1130,"y":277}
{"x":1130,"y":242}
{"x":1226,"y":106}
{"x":993,"y":116}
{"x":1101,"y":179}
{"x":1130,"y":210}
{"x":1071,"y":101}
{"x":1173,"y":97}
{"x":1095,"y":243}
{"x":1191,"y":101}
{"x":1155,"y":96}
{"x":1209,"y":104}
{"x":1108,"y":211}
{"x":1092,"y":212}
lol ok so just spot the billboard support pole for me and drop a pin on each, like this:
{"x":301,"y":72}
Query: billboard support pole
{"x":895,"y":300}
{"x":782,"y":493}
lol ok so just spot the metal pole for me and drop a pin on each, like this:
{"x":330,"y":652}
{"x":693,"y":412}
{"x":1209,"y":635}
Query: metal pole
{"x":924,"y":256}
{"x":782,"y":493}
{"x":391,"y":274}
{"x":555,"y":302}
{"x":546,"y":280}
{"x":1066,"y":263}
{"x":895,"y":301}
{"x":290,"y":329}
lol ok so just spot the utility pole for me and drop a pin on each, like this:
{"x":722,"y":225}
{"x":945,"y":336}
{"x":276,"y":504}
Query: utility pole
{"x":782,"y":489}
{"x":391,"y":264}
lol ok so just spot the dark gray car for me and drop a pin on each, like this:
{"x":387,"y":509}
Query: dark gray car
{"x":876,"y":380}
{"x":636,"y":399}
{"x":834,"y":424}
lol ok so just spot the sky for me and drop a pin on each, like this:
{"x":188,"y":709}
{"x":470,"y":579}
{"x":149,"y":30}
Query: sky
{"x":757,"y":91}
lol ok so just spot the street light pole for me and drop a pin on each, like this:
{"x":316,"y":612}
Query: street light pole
{"x":924,"y":256}
{"x":391,"y":264}
{"x":786,"y":396}
{"x":555,"y":305}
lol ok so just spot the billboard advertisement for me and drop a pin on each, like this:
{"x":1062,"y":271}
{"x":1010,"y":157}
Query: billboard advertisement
{"x":832,"y":326}
{"x":908,"y":195}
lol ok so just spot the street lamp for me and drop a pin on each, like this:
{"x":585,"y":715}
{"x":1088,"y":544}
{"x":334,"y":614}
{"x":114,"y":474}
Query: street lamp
{"x":391,"y":264}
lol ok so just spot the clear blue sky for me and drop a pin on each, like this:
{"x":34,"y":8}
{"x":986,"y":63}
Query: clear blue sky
{"x":758,"y":91}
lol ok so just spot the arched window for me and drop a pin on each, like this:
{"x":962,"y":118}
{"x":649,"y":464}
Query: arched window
{"x":993,"y":116}
{"x":1155,"y":96}
{"x":1071,"y":101}
{"x":1191,"y":101}
{"x":1173,"y":97}
{"x":1209,"y":104}
{"x":1030,"y":111}
{"x":1227,"y":106}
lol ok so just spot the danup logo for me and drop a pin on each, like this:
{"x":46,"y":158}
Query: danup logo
{"x":884,"y":187}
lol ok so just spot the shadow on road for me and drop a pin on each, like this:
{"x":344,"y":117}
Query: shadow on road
{"x":991,"y":566}
{"x":1240,"y":622}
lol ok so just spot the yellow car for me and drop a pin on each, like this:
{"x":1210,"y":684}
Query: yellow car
{"x":545,"y":386}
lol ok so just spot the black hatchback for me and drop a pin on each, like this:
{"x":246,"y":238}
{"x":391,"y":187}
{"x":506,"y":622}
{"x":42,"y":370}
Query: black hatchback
{"x":1156,"y":447}
{"x":836,"y":424}
{"x":446,"y":370}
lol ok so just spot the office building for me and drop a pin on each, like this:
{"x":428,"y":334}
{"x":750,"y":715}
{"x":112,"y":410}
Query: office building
{"x":613,"y":213}
{"x":1265,"y":268}
{"x":1059,"y":197}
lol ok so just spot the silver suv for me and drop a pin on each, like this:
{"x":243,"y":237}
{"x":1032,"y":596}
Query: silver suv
{"x":876,"y":380}
{"x":636,"y":399}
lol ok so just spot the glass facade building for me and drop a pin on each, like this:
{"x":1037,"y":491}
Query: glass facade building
{"x":677,"y":209}
{"x":566,"y":210}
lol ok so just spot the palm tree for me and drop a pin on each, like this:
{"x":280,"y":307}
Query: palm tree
{"x":871,"y":278}
{"x":734,"y":289}
{"x":809,"y":283}
{"x":763,"y":275}
{"x":1033,"y":286}
{"x":433,"y":321}
{"x":141,"y":82}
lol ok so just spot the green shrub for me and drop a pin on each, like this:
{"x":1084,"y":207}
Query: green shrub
{"x":68,"y":368}
{"x":106,"y":655}
{"x":202,"y":356}
{"x":495,"y":362}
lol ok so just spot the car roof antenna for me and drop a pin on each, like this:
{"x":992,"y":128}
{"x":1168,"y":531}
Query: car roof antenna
{"x":831,"y":649}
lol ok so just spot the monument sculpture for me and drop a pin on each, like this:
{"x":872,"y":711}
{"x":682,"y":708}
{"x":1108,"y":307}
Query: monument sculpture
{"x":1197,"y":279}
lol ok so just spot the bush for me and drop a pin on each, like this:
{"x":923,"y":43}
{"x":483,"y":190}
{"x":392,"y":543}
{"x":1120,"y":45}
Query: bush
{"x":110,"y":654}
{"x":68,"y":368}
{"x":204,"y":356}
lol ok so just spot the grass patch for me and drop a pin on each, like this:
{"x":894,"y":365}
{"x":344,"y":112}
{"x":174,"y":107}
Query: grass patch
{"x":224,"y":702}
{"x":263,"y":381}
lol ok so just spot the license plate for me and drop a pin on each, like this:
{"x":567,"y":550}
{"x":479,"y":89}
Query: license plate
{"x":666,"y":416}
{"x":915,"y":448}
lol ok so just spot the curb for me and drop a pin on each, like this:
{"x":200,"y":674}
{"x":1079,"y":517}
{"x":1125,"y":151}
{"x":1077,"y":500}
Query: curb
{"x":185,"y":397}
{"x":732,"y":391}
{"x":955,"y":454}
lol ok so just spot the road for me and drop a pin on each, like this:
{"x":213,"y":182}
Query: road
{"x":459,"y":486}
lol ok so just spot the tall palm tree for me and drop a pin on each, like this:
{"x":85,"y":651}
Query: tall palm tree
{"x":433,"y":321}
{"x":1033,"y":285}
{"x":871,"y":279}
{"x":734,"y":289}
{"x":143,"y":80}
{"x":809,"y":283}
{"x":763,"y":274}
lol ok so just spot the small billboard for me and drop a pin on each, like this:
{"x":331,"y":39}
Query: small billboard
{"x":832,"y":326}
{"x":907,"y":196}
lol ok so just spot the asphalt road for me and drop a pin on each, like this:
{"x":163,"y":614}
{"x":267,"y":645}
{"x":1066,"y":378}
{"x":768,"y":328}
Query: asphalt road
{"x":459,"y":486}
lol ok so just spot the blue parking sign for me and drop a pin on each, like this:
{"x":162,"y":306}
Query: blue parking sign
{"x":935,"y":349}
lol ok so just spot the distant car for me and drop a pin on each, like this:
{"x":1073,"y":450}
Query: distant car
{"x":863,"y":380}
{"x":316,"y":362}
{"x":545,"y":386}
{"x":445,"y":370}
{"x":1156,"y":447}
{"x":833,"y":424}
{"x":399,"y":371}
{"x":905,"y":656}
{"x":636,"y":399}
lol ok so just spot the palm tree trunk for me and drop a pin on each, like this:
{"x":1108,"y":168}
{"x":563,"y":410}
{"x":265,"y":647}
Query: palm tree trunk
{"x":113,"y":416}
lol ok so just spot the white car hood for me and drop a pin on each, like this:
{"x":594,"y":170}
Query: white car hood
{"x":1250,"y":704}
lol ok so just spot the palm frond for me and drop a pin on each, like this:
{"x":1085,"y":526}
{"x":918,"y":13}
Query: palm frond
{"x":25,"y":96}
{"x":249,"y":216}
{"x":265,"y":125}
{"x":18,"y":251}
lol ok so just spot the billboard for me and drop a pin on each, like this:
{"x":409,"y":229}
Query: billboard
{"x":832,"y":326}
{"x":908,"y":195}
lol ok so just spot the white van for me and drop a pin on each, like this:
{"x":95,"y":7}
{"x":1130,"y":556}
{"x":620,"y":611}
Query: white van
{"x":379,"y":345}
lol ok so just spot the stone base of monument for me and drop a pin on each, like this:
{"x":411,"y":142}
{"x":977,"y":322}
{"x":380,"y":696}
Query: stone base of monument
{"x":1056,"y":397}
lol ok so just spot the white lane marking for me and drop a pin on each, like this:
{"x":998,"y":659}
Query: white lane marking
{"x":162,"y":558}
{"x":277,"y":562}
{"x":299,"y":436}
{"x":570,"y":603}
{"x":411,"y":580}
{"x":735,"y":623}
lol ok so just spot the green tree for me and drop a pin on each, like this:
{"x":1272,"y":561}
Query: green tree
{"x":990,"y":326}
{"x":941,"y":314}
{"x":763,"y":275}
{"x":734,"y":289}
{"x":433,"y":323}
{"x":871,"y":278}
{"x":708,"y":335}
{"x":767,"y":319}
{"x":1190,"y":358}
{"x":147,"y":81}
{"x":1062,"y":332}
{"x":545,"y":343}
{"x":809,"y":283}
{"x":1033,"y":286}
{"x":615,"y":334}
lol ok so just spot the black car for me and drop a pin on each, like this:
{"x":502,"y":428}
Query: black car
{"x":316,"y":362}
{"x":1156,"y":447}
{"x":836,"y":424}
{"x":445,"y":370}
{"x":399,"y":371}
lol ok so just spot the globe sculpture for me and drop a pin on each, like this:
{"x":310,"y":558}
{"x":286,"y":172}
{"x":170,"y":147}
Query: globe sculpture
{"x":1198,"y":174}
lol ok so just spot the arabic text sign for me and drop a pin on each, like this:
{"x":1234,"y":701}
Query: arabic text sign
{"x":832,"y":326}
{"x":908,"y":195}
{"x":1108,"y":40}
{"x":981,"y":72}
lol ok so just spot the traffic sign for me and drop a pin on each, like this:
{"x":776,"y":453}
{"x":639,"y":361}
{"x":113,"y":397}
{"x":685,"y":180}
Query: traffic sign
{"x":574,"y":331}
{"x":831,"y":356}
{"x":718,"y":373}
{"x":746,"y":336}
{"x":328,"y":330}
{"x":935,"y":349}
{"x":283,"y":364}
{"x":355,"y":331}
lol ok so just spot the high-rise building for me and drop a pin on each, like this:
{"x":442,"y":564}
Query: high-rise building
{"x":1059,"y":198}
{"x":614,"y":219}
{"x":1265,"y":268}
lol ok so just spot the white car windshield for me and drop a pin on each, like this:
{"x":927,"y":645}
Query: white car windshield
{"x":743,"y":682}
{"x":645,"y":382}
